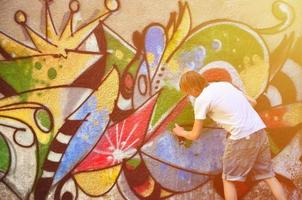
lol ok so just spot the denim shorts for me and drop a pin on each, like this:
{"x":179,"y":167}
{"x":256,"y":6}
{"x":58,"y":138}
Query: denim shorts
{"x":248,"y":156}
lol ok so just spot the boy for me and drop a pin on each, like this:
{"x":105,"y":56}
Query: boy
{"x":247,"y":147}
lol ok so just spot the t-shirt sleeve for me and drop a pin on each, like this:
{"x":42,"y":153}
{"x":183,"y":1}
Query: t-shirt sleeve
{"x":201,"y":107}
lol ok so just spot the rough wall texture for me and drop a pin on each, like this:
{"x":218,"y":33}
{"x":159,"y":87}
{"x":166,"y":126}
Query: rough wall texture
{"x":89,"y":93}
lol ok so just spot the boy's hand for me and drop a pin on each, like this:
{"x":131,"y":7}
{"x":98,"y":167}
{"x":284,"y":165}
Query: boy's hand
{"x":178,"y":130}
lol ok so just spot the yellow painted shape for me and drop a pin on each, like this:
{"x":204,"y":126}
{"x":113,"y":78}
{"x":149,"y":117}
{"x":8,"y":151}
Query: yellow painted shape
{"x":254,"y":75}
{"x":170,"y":31}
{"x":27,"y":117}
{"x":108,"y":91}
{"x":41,"y":44}
{"x":51,"y":33}
{"x":119,"y":54}
{"x":96,"y":183}
{"x":150,"y":57}
{"x":67,"y":31}
{"x":180,"y":33}
{"x":55,"y":45}
{"x":51,"y":101}
{"x":164,"y":193}
{"x":14,"y":48}
{"x":50,"y":98}
{"x":20,"y":106}
{"x":293,"y":116}
{"x":68,"y":69}
{"x":173,"y":65}
{"x":112,"y":4}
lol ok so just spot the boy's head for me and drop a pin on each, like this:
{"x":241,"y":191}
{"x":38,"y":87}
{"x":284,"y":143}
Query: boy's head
{"x":192,"y":83}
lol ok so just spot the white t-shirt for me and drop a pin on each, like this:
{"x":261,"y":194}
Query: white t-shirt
{"x":229,"y":107}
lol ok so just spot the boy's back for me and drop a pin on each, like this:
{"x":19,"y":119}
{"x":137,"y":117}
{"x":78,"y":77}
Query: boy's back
{"x":229,"y":107}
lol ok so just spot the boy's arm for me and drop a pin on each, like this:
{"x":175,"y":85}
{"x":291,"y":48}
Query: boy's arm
{"x":190,"y":135}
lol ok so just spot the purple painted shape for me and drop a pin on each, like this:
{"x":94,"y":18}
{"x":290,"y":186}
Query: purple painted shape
{"x":203,"y":156}
{"x":172,"y":178}
{"x":193,"y":59}
{"x":155,"y":42}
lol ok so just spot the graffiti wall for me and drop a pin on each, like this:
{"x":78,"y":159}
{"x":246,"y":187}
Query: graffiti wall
{"x":89,"y":93}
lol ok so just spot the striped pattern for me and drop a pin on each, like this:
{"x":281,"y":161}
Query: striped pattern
{"x":281,"y":99}
{"x":57,"y":149}
{"x":59,"y":145}
{"x":285,"y":88}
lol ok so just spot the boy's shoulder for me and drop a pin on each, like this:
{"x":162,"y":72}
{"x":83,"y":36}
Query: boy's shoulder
{"x":220,"y":83}
{"x":214,"y":89}
{"x":205,"y":93}
{"x":219,"y":87}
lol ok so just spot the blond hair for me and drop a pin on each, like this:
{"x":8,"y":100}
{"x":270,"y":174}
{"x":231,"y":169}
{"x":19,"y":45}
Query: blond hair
{"x":192,"y":79}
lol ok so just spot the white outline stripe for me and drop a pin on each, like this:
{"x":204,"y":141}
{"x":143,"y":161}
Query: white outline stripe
{"x":54,"y":157}
{"x":61,"y":137}
{"x":47,"y":174}
{"x":130,"y":134}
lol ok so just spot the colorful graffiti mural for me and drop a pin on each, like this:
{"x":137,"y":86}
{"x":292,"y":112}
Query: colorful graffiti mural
{"x":86,"y":115}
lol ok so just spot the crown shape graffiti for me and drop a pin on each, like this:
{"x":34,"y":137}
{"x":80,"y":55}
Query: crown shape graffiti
{"x":54,"y":43}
